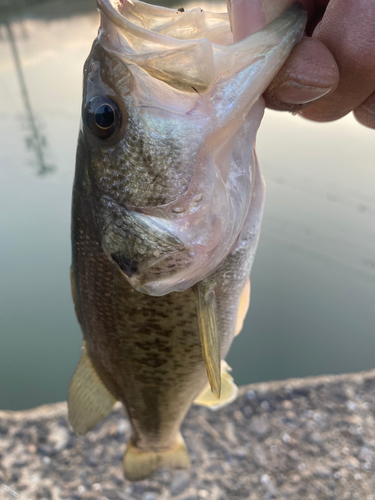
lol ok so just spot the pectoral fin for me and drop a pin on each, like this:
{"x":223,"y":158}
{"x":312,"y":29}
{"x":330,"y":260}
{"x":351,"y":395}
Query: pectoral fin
{"x":209,"y":336}
{"x":89,"y":401}
{"x":229,"y":391}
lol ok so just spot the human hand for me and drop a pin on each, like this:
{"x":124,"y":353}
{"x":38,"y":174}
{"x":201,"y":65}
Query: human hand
{"x":332,"y":70}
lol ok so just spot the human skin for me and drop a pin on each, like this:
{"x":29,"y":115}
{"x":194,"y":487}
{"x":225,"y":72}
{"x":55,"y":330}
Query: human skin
{"x":331,"y":72}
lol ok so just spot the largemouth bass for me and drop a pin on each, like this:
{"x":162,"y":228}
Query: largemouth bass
{"x":167,"y":206}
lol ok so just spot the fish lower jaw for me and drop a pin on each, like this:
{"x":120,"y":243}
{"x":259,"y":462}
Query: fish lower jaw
{"x":158,"y":277}
{"x":161,"y":279}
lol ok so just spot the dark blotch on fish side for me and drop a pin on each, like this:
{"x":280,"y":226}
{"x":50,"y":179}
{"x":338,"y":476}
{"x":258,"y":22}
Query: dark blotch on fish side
{"x":181,"y":9}
{"x":128,"y":266}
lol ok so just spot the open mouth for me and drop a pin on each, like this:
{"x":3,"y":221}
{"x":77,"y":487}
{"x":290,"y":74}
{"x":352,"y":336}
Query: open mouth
{"x":149,"y":20}
{"x":190,"y":75}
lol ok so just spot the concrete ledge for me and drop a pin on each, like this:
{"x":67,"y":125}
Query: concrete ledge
{"x":299,"y":439}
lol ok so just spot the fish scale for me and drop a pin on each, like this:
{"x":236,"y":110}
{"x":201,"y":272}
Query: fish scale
{"x":160,"y":177}
{"x":131,"y":333}
{"x":167,"y":206}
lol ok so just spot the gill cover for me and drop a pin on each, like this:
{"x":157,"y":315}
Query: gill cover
{"x":186,"y":155}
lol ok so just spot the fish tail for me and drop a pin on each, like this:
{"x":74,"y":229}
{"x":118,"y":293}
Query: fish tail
{"x":139,"y":464}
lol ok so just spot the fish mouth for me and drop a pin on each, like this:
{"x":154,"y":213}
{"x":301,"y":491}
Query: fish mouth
{"x":201,"y":78}
{"x":153,"y":38}
{"x":155,"y":23}
{"x":146,"y":249}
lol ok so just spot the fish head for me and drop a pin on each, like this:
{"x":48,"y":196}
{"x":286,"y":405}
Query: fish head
{"x":170,"y":112}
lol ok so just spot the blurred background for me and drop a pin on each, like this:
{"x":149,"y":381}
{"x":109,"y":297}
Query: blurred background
{"x":313,"y":281}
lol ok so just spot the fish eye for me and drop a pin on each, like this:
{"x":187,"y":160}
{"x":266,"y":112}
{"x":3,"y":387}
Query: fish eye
{"x":102,"y":116}
{"x":105,"y":116}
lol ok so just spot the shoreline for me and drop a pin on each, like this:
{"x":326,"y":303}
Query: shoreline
{"x":310,"y":438}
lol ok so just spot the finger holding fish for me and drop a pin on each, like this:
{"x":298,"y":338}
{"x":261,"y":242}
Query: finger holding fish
{"x":347,"y":29}
{"x":309,"y":72}
{"x":331,"y":72}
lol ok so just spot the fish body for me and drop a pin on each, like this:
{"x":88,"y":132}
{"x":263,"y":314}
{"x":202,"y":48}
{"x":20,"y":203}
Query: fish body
{"x":167,"y":206}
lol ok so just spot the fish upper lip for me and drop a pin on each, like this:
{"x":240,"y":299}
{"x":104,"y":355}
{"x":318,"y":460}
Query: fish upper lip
{"x":104,"y":194}
{"x":146,"y":211}
{"x":143,"y":210}
{"x":137,"y":210}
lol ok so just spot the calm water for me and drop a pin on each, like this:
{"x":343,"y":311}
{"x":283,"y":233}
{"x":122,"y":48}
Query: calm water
{"x":313,"y":282}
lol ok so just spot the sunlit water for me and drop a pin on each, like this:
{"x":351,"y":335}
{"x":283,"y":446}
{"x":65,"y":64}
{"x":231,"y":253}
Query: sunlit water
{"x":313,"y":281}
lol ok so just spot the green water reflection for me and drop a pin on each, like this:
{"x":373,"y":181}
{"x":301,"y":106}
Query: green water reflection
{"x":313,"y":281}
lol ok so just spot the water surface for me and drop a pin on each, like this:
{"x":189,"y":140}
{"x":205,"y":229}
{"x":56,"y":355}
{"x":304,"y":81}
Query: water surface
{"x":313,"y":281}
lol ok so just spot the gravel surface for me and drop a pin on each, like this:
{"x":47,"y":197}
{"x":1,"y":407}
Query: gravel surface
{"x":297,"y":439}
